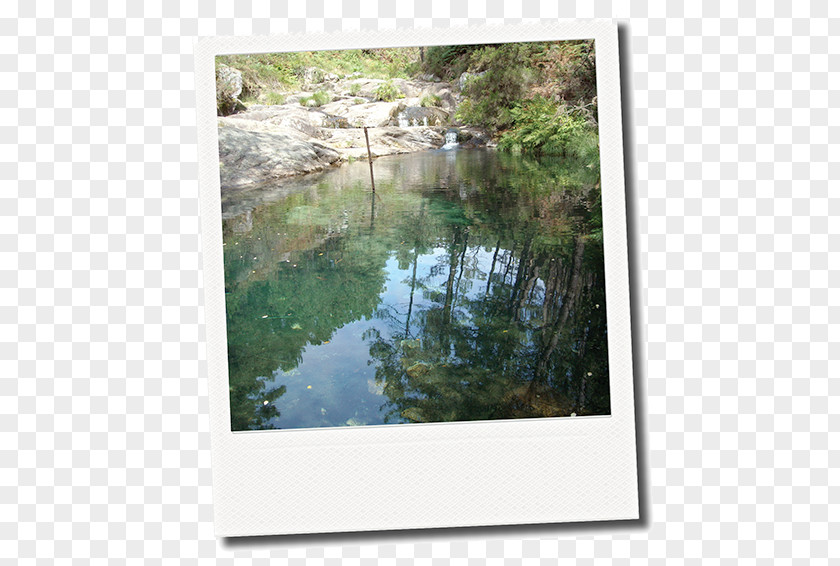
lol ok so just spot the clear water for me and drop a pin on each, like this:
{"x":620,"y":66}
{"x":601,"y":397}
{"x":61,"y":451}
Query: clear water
{"x":469,"y":287}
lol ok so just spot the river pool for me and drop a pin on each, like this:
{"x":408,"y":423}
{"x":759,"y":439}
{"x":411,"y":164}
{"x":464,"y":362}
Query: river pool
{"x":469,"y":287}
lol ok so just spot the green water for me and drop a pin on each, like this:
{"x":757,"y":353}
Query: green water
{"x":470,"y":287}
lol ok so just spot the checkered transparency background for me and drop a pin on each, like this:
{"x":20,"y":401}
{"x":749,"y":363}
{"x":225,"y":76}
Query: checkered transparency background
{"x":103,"y":408}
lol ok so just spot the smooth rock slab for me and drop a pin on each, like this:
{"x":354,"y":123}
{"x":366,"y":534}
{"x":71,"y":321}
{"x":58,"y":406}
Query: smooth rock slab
{"x":250,"y":158}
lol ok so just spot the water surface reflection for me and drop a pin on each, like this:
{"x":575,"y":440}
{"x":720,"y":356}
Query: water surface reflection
{"x":470,"y":287}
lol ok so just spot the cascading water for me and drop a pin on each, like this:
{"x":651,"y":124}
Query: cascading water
{"x":402,"y":120}
{"x":451,"y":140}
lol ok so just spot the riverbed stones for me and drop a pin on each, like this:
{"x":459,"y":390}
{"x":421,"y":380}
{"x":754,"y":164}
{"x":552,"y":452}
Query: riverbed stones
{"x":335,"y":122}
{"x":268,"y":142}
{"x":471,"y":136}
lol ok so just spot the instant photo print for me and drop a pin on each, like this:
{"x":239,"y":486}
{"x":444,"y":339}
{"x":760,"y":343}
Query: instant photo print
{"x":417,"y":287}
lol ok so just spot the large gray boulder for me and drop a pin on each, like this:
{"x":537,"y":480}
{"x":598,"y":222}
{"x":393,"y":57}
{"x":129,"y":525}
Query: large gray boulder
{"x":252,"y":157}
{"x":386,"y":140}
{"x":407,"y":116}
{"x":442,"y":91}
{"x":289,"y":116}
{"x":228,"y":89}
{"x":265,"y":143}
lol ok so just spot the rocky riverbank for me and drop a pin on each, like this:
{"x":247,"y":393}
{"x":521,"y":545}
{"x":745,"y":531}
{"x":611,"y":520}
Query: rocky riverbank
{"x":323,"y":125}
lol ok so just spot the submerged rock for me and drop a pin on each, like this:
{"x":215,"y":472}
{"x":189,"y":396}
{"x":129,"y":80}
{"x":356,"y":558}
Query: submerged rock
{"x":410,"y":344}
{"x":414,"y":415}
{"x":418,"y":369}
{"x":375,"y":388}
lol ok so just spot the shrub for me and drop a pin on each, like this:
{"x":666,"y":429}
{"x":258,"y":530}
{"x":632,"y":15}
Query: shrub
{"x":275,"y":98}
{"x":322,"y":97}
{"x":502,"y":77}
{"x":569,"y":72}
{"x":505,"y":80}
{"x":317,"y":99}
{"x":355,"y":88}
{"x":359,"y":101}
{"x":541,"y":126}
{"x":388,"y":92}
{"x":432,"y":100}
{"x":448,"y":61}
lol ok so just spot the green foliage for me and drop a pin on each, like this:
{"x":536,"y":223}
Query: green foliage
{"x":260,"y":73}
{"x":505,"y":79}
{"x":569,"y":73}
{"x":431,"y":100}
{"x":263,"y":72}
{"x":541,"y":126}
{"x":448,"y":61}
{"x":596,"y":222}
{"x":273,"y":98}
{"x":355,"y":88}
{"x":388,"y":92}
{"x":359,"y":101}
{"x":317,"y":99}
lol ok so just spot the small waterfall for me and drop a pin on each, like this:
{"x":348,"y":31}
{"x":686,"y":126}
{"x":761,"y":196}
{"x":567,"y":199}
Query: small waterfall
{"x":402,"y":119}
{"x":425,"y":120}
{"x":451,"y":140}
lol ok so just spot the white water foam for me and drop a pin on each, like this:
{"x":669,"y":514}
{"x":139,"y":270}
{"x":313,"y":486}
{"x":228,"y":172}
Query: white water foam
{"x":451,"y":140}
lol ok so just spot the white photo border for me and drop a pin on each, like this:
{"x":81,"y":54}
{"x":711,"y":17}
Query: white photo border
{"x":415,"y":476}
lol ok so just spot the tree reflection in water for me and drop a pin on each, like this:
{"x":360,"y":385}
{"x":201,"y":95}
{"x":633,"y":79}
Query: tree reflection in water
{"x":471,"y":288}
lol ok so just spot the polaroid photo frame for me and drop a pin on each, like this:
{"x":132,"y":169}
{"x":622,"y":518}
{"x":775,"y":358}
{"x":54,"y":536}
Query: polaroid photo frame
{"x":427,"y":475}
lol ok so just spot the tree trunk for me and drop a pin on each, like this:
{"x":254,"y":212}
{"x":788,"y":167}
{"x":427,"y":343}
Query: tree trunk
{"x":453,"y":263}
{"x":570,"y":298}
{"x":492,"y":267}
